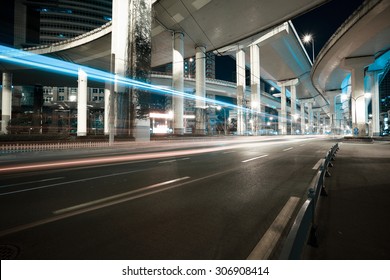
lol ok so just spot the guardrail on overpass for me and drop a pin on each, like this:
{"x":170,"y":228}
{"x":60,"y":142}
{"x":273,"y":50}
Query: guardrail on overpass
{"x":303,"y":230}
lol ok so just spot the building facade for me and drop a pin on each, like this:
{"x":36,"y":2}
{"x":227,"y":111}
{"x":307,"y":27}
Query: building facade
{"x":41,"y":22}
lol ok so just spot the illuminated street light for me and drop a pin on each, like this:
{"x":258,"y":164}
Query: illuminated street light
{"x":308,"y":38}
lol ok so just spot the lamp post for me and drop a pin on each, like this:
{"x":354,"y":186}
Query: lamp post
{"x":309,"y":39}
{"x":191,"y":60}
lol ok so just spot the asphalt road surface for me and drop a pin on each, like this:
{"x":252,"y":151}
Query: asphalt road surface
{"x":207,"y":199}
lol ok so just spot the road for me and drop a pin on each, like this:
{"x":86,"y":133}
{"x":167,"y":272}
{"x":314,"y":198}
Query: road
{"x":213,"y":199}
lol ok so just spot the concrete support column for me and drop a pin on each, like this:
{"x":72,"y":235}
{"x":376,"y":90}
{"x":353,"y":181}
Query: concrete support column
{"x":283,"y":112}
{"x":332,"y":104}
{"x":120,"y":38}
{"x":240,"y":69}
{"x":255,"y":88}
{"x":310,"y":113}
{"x":107,"y":93}
{"x":356,"y":65}
{"x":318,"y":116}
{"x":280,"y":122}
{"x":6,"y":101}
{"x":303,"y":121}
{"x":323,"y":125}
{"x":200,"y":91}
{"x":292,"y":84}
{"x":374,"y":82}
{"x":82,"y":104}
{"x":178,"y":83}
{"x":294,"y":115}
{"x":131,"y":47}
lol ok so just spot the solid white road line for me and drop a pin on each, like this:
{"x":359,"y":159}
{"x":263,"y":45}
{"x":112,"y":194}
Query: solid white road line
{"x":254,"y":158}
{"x":315,"y":167}
{"x":64,"y":215}
{"x":31,"y":182}
{"x":107,"y":204}
{"x":266,"y":245}
{"x":70,"y":182}
{"x":118,"y":196}
{"x":285,"y":150}
{"x":174,"y":160}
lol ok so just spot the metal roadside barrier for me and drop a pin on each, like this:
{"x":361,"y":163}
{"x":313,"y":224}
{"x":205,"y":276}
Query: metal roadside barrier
{"x":18,"y":148}
{"x":303,"y":230}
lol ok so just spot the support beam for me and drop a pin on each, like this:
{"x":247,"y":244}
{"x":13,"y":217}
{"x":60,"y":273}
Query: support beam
{"x":240,"y":66}
{"x":107,"y":93}
{"x":178,"y":82}
{"x":283,"y":113}
{"x":120,"y":39}
{"x":310,"y":113}
{"x":374,"y":85}
{"x":323,"y":125}
{"x":332,"y":117}
{"x":318,"y":121}
{"x":255,"y":89}
{"x":131,"y":47}
{"x":357,"y":65}
{"x":200,"y":91}
{"x":294,"y":115}
{"x":292,"y":84}
{"x":6,"y":101}
{"x":82,"y":104}
{"x":303,"y":120}
{"x":280,"y":122}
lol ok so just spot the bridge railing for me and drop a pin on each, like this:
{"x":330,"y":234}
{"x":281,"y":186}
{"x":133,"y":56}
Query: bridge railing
{"x":31,"y":147}
{"x":303,"y":230}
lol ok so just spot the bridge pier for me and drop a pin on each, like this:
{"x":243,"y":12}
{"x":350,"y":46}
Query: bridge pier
{"x":332,"y":118}
{"x":318,"y":120}
{"x":294,"y":115}
{"x":178,"y":83}
{"x":200,"y":91}
{"x":374,"y":85}
{"x":82,"y":104}
{"x":6,"y":101}
{"x":357,"y":67}
{"x":303,"y":120}
{"x":241,"y":79}
{"x":292,"y":84}
{"x":310,"y":113}
{"x":255,"y":88}
{"x":131,"y":49}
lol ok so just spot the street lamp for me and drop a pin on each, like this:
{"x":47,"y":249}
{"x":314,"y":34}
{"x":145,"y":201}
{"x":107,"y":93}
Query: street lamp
{"x":308,"y":38}
{"x":191,"y":60}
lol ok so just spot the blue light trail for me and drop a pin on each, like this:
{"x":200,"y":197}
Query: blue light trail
{"x":28,"y":59}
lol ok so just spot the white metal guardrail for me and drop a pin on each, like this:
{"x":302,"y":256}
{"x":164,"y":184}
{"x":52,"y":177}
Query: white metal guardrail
{"x":30,"y":147}
{"x":303,"y":230}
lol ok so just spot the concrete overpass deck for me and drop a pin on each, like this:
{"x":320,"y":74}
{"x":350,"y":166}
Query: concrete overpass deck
{"x":282,"y":54}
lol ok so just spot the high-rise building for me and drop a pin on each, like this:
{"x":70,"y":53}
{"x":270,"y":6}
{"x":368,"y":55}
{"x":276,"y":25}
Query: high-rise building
{"x":190,"y":67}
{"x":38,"y":22}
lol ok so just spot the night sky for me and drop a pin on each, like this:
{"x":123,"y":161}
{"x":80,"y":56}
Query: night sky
{"x":324,"y":21}
{"x":6,"y":22}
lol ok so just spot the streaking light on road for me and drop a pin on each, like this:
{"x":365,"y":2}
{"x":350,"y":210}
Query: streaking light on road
{"x":45,"y":63}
